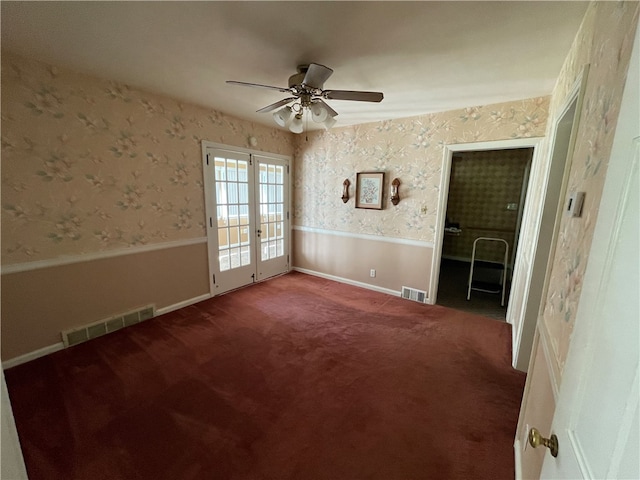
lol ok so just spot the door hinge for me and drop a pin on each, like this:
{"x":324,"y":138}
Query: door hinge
{"x":211,"y":222}
{"x":287,"y":215}
{"x":287,"y":169}
{"x":207,"y":159}
{"x":214,"y":278}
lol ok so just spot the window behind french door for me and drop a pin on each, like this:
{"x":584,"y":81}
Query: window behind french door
{"x":247,"y":208}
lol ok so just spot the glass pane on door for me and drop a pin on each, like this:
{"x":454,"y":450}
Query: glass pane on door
{"x":232,"y":200}
{"x":272,"y":221}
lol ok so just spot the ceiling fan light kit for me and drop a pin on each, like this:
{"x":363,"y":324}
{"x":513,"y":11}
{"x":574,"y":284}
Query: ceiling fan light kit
{"x":318,"y":113}
{"x":283,"y":116}
{"x":329,"y":122}
{"x":306,"y":88}
{"x":296,"y":125}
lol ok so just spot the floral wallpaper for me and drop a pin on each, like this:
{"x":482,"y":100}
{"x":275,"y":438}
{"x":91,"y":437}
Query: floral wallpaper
{"x":410,"y":149}
{"x":604,"y":41}
{"x":90,"y":165}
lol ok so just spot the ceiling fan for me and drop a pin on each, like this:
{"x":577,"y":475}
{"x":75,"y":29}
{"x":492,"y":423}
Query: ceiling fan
{"x":306,"y":90}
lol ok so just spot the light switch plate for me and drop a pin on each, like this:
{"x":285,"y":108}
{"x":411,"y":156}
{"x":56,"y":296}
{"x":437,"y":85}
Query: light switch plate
{"x":574,"y":206}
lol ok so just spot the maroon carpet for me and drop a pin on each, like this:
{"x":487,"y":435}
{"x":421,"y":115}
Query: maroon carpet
{"x":294,"y":378}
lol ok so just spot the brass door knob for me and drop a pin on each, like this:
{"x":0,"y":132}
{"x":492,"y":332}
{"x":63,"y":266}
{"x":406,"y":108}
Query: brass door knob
{"x":535,"y":440}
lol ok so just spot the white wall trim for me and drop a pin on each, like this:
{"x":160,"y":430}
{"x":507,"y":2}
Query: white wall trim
{"x":517,"y":448}
{"x":184,"y":303}
{"x":445,"y":175}
{"x":552,"y":363}
{"x":250,"y":151}
{"x":355,"y":283}
{"x":364,"y":236}
{"x":41,"y":352}
{"x":27,"y":357}
{"x":88,"y":257}
{"x":524,"y":142}
{"x":545,"y":239}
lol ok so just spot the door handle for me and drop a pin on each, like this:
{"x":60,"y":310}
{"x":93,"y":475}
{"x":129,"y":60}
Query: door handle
{"x":258,"y":232}
{"x":536,"y":439}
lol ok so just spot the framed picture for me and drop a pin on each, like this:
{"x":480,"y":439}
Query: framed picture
{"x":369,"y":188}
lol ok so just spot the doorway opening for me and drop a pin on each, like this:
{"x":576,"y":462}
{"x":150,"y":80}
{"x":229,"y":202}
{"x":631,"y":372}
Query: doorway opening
{"x":485,"y":203}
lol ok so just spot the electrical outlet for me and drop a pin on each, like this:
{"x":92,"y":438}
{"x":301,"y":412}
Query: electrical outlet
{"x":372,"y":273}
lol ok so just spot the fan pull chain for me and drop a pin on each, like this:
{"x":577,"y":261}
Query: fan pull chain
{"x":306,"y":128}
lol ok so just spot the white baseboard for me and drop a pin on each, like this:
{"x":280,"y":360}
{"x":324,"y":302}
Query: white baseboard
{"x":27,"y":357}
{"x":184,"y":303}
{"x":348,"y":281}
{"x":41,"y":352}
{"x":518,"y":458}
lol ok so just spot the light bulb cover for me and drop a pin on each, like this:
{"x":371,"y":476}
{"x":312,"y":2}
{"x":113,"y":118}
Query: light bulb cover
{"x":329,"y":122}
{"x":296,"y":125}
{"x":283,"y":116}
{"x":318,"y":113}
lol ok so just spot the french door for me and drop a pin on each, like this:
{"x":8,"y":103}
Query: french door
{"x":247,"y":208}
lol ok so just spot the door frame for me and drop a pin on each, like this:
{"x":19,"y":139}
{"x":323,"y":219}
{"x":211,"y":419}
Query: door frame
{"x":549,"y":219}
{"x":445,"y":177}
{"x":531,"y":324}
{"x":211,"y":252}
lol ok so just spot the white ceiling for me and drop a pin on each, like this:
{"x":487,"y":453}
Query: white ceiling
{"x":425,"y":56}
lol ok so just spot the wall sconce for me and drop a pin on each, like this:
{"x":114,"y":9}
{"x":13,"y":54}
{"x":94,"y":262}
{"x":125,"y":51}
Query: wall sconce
{"x":345,"y":190}
{"x":395,"y":191}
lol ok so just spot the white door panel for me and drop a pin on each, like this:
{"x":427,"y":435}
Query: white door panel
{"x":231,"y":228}
{"x":273,"y":256}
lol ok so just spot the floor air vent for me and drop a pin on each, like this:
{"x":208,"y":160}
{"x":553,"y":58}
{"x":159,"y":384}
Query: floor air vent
{"x":78,"y":335}
{"x":413,"y":294}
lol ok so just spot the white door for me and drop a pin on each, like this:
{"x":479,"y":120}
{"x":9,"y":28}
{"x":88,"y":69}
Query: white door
{"x":596,"y":418}
{"x":231,"y":225}
{"x":247,"y":202}
{"x":272,"y":196}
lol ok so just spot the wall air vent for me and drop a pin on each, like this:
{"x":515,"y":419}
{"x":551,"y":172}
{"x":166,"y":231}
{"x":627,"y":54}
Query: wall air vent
{"x":413,"y":294}
{"x":78,"y":335}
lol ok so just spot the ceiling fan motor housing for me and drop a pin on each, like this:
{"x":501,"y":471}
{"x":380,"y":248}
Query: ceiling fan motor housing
{"x":296,"y":79}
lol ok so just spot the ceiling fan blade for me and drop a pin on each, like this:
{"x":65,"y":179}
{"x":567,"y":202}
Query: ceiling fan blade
{"x":245,"y":84}
{"x":273,"y":106}
{"x":330,"y":110}
{"x":353,"y":95}
{"x":316,"y":75}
